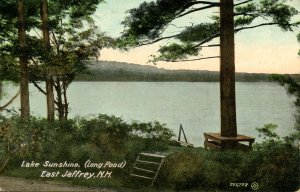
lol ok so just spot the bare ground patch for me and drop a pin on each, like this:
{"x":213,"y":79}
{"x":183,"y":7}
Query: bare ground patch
{"x":20,"y":184}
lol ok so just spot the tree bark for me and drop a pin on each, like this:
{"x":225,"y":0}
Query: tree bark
{"x":25,"y":105}
{"x":227,"y":70}
{"x":59,"y":104}
{"x":49,"y":77}
{"x":66,"y":104}
{"x":1,"y":90}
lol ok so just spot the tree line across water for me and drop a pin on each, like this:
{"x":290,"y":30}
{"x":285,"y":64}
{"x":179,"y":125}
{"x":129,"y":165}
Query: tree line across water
{"x":120,"y":71}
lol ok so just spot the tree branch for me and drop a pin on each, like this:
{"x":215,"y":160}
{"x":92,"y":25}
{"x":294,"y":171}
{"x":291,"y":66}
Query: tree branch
{"x":34,"y":61}
{"x":212,"y":45}
{"x":199,"y":2}
{"x":55,"y":41}
{"x":37,"y":33}
{"x":39,"y":88}
{"x":263,"y":24}
{"x":188,"y":5}
{"x":206,"y":2}
{"x":197,"y":9}
{"x":158,"y":39}
{"x":202,"y":58}
{"x":243,"y":3}
{"x":10,"y":101}
{"x":240,"y":29}
{"x":246,"y":14}
{"x":207,"y":39}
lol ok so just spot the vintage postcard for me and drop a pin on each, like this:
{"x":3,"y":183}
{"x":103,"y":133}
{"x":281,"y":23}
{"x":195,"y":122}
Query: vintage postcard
{"x":149,"y":95}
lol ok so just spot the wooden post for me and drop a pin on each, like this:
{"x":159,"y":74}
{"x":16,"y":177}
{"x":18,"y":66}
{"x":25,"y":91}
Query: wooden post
{"x":179,"y":136}
{"x":227,"y":70}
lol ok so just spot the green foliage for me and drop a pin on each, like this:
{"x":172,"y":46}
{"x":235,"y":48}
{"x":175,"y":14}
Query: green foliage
{"x":279,"y":12}
{"x":273,"y":167}
{"x":100,"y":139}
{"x":199,"y":32}
{"x":278,"y":167}
{"x":126,"y":42}
{"x":273,"y":11}
{"x":274,"y":164}
{"x":8,"y":63}
{"x":149,"y":19}
{"x":97,"y":138}
{"x":293,"y":88}
{"x":267,"y":132}
{"x":181,"y":170}
{"x":74,"y":38}
{"x":244,"y":20}
{"x":290,"y":85}
{"x":147,"y":23}
{"x":176,"y":51}
{"x":249,"y":7}
{"x":8,"y":68}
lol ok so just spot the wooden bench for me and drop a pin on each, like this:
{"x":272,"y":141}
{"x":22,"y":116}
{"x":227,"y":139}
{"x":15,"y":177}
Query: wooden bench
{"x":216,"y":141}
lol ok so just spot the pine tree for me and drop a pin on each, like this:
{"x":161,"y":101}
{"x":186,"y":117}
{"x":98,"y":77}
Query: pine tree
{"x":146,"y":25}
{"x":23,"y":58}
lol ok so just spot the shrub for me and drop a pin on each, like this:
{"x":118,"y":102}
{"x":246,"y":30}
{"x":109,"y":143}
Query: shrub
{"x":273,"y":164}
{"x":101,"y":138}
{"x":279,"y":167}
{"x":182,"y":170}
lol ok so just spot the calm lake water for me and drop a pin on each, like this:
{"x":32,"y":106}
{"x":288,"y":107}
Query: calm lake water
{"x":195,"y":105}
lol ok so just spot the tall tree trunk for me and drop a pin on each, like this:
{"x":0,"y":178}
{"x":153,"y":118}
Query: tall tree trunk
{"x":25,"y":105}
{"x":1,"y":90}
{"x":227,"y":70}
{"x":66,"y":104}
{"x":49,"y":78}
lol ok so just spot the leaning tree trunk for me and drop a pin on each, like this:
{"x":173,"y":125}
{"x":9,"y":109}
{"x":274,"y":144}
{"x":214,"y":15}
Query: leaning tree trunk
{"x":227,"y":70}
{"x":49,"y":77}
{"x":25,"y":106}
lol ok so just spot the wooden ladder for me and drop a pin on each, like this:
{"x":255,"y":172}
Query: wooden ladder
{"x":147,"y":166}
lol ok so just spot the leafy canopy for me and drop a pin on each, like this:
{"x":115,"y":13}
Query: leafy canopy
{"x":73,"y":36}
{"x":147,"y":23}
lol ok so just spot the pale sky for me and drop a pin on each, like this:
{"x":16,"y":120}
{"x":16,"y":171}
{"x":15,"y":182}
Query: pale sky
{"x":260,"y":50}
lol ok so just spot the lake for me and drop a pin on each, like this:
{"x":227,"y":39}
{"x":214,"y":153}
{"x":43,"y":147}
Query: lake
{"x":194,"y":105}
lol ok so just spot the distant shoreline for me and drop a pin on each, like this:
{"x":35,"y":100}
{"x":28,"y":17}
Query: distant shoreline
{"x":120,"y":71}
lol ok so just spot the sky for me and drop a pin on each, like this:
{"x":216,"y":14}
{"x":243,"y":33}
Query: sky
{"x":261,"y":50}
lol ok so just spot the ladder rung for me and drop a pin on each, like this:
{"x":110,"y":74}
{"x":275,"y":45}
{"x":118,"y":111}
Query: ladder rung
{"x":150,"y":171}
{"x":141,"y":176}
{"x":149,"y":162}
{"x":152,"y":155}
